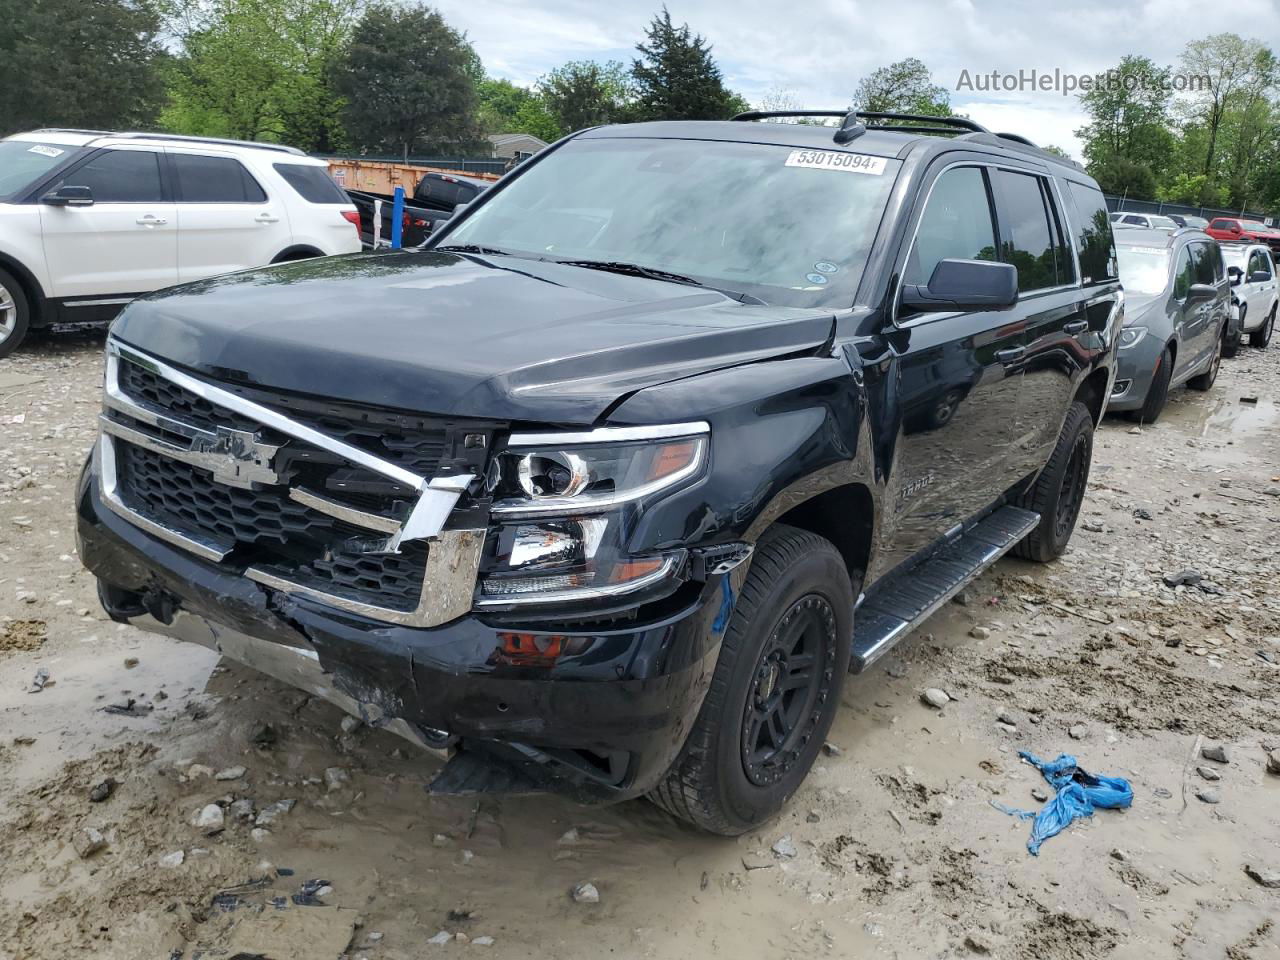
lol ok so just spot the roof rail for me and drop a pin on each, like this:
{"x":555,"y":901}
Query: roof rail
{"x":853,"y":127}
{"x":178,"y":138}
{"x":1013,"y":141}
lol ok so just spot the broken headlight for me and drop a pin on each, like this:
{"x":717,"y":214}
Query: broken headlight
{"x":565,"y":504}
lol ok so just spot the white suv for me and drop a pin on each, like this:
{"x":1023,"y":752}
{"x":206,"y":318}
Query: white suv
{"x":90,"y":220}
{"x":1255,"y":292}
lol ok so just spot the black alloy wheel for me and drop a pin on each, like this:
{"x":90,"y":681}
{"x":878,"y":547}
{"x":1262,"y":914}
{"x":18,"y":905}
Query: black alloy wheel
{"x":791,"y":685}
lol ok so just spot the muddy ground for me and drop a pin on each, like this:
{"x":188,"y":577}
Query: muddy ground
{"x":898,"y":849}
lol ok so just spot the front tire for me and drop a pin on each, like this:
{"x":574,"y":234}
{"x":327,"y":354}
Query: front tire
{"x":15,"y":314}
{"x":775,"y":690}
{"x":1059,"y":491}
{"x":1158,"y":392}
{"x":1262,"y":336}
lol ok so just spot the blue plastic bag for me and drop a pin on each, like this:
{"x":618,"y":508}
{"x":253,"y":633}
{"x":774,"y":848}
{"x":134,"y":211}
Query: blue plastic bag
{"x":1078,"y":794}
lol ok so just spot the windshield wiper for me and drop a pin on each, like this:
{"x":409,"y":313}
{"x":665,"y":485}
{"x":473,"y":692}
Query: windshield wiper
{"x":473,"y":248}
{"x":653,"y":273}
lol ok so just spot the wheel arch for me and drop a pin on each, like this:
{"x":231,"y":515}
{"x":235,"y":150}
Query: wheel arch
{"x":298,"y":251}
{"x":845,"y":515}
{"x":30,"y":287}
{"x":1092,"y":392}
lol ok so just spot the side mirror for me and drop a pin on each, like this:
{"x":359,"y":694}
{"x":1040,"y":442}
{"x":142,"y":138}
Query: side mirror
{"x":1259,"y":276}
{"x":1236,"y":274}
{"x":1200,"y":292}
{"x":69,"y":196}
{"x":964,"y":285}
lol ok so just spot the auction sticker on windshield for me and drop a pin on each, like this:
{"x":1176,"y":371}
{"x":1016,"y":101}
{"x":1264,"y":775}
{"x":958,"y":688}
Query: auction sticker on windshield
{"x":836,"y":160}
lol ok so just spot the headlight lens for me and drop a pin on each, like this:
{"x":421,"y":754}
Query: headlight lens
{"x":1130,"y":336}
{"x":565,"y":505}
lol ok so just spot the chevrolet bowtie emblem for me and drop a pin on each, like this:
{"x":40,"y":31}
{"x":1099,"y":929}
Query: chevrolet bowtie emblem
{"x":237,"y":458}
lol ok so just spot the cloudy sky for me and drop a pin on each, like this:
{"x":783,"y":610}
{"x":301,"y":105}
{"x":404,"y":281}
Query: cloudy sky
{"x":816,"y":50}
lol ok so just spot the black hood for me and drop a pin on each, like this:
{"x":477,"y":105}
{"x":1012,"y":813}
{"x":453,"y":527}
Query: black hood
{"x":494,"y":337}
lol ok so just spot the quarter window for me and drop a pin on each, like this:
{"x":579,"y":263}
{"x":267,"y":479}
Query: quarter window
{"x":1027,"y":240}
{"x":1093,"y":234}
{"x":214,"y":180}
{"x":311,"y":183}
{"x":120,"y":176}
{"x":956,"y":224}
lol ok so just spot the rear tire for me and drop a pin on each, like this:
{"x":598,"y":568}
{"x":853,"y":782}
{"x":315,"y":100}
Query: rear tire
{"x":15,"y":314}
{"x":1262,"y":336}
{"x":766,"y":713}
{"x":1205,"y":381}
{"x":1059,"y":491}
{"x":1158,"y":392}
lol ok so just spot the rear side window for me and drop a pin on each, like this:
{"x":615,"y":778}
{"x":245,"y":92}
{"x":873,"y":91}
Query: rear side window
{"x":1138,"y":221}
{"x":120,"y":176}
{"x":312,"y":183}
{"x":1092,"y":234}
{"x":1221,"y":224}
{"x":956,"y":224}
{"x":214,"y":180}
{"x":1027,"y":239}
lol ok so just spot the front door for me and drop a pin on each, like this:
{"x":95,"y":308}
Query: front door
{"x":126,"y":242}
{"x":958,"y":379}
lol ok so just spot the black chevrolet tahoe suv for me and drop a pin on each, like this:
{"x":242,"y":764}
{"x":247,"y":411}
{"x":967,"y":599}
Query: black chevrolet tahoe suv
{"x":606,"y":489}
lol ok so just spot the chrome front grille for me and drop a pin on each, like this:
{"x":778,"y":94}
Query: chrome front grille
{"x":342,"y":505}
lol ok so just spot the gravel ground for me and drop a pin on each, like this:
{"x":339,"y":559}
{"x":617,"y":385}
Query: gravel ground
{"x":157,"y":804}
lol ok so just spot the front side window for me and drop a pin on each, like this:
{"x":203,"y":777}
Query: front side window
{"x":1259,"y":262}
{"x":1186,"y":274}
{"x":1202,"y":255}
{"x":786,"y":225}
{"x":214,"y":180}
{"x":956,"y":224}
{"x":1024,"y":221}
{"x":120,"y":176}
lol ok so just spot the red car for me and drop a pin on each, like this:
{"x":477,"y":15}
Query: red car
{"x":1238,"y":230}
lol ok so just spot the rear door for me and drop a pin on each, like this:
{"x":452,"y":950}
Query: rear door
{"x":125,"y":243}
{"x":1200,"y":320}
{"x":1060,"y":346}
{"x":226,"y":219}
{"x":958,"y":376}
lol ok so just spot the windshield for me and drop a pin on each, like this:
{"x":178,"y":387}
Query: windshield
{"x":785,"y":225}
{"x":1144,"y":271}
{"x":23,"y":162}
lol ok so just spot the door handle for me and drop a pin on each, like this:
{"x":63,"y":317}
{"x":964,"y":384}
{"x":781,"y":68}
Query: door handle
{"x":1010,"y":354}
{"x":1076,"y":326}
{"x":151,"y":221}
{"x":265,"y":218}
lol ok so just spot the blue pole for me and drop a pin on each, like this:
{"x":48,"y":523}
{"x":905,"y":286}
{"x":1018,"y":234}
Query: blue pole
{"x":397,"y":218}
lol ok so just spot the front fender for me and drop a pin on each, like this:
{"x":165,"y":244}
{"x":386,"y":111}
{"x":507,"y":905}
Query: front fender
{"x":782,"y":432}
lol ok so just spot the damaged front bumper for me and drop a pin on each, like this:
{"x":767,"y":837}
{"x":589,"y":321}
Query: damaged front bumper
{"x":597,"y":713}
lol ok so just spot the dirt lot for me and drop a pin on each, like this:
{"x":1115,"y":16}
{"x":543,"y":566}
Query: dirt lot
{"x":898,"y":850}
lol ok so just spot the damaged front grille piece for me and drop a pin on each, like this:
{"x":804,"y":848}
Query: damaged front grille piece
{"x":235,"y":481}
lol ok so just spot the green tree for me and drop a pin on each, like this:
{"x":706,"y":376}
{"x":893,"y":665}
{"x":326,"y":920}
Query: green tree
{"x":1229,"y":64}
{"x":260,"y":70}
{"x":409,"y":82}
{"x":583,"y":93}
{"x":1120,"y":175}
{"x":676,"y":78}
{"x":902,"y":87}
{"x":1128,"y":119}
{"x":79,"y":63}
{"x":1056,"y":151}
